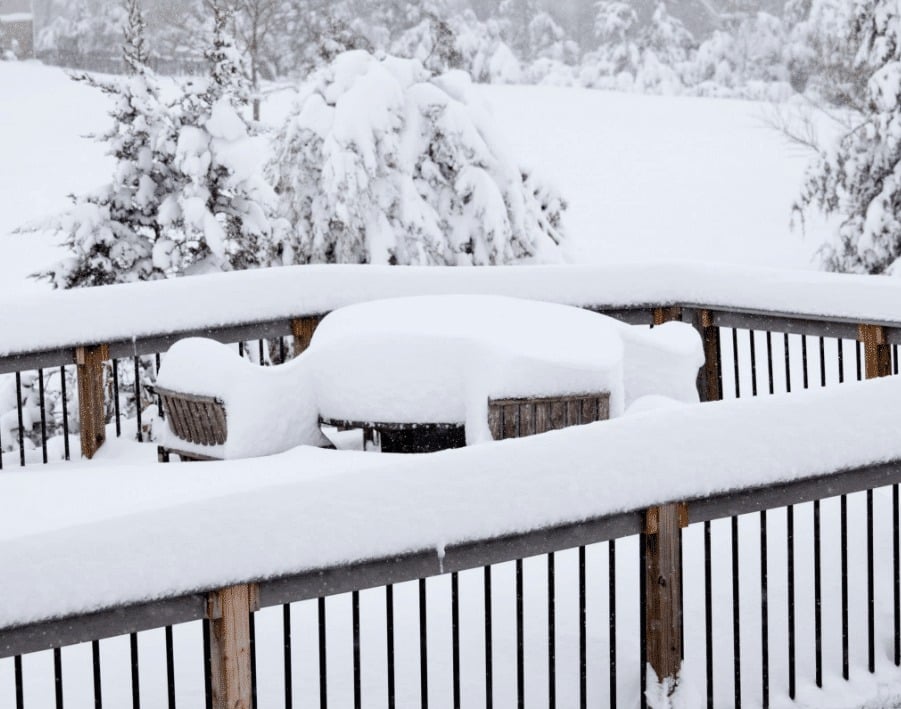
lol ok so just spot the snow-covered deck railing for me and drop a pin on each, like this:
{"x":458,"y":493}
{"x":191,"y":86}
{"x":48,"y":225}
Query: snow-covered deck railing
{"x":336,"y":522}
{"x":143,"y":318}
{"x":90,"y":326}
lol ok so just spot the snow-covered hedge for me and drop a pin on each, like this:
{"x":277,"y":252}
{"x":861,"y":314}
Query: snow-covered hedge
{"x":384,"y":162}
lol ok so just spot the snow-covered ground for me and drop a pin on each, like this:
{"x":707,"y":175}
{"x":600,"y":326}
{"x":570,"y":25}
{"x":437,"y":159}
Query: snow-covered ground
{"x":645,"y":176}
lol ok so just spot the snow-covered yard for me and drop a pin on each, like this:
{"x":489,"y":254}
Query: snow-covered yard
{"x":646,"y":178}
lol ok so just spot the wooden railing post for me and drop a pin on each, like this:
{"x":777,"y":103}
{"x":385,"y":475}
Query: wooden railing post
{"x":663,"y":605}
{"x":228,"y":611}
{"x":91,"y":410}
{"x":877,"y":352}
{"x":710,"y":378}
{"x":302,"y":329}
{"x":667,"y":314}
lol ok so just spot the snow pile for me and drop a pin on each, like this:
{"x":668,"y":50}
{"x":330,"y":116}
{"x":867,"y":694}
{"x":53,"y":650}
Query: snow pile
{"x":336,"y":508}
{"x":268,"y":409}
{"x":663,"y":361}
{"x":382,"y":162}
{"x":440,"y":358}
{"x":432,"y":359}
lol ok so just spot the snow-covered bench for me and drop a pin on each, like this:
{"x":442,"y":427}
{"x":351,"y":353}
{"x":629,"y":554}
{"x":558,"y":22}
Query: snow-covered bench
{"x":476,"y":368}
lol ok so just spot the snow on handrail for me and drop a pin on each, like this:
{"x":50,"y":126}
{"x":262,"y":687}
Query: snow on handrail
{"x":130,"y":312}
{"x":311,"y":509}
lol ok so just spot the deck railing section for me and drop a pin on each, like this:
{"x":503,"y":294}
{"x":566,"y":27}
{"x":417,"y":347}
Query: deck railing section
{"x":83,"y":388}
{"x":747,"y":353}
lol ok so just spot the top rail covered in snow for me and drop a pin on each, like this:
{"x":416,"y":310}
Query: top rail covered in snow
{"x":333,"y":521}
{"x":140,"y":318}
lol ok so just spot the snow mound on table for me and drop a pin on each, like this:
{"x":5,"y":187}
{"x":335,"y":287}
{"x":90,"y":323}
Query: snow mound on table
{"x":440,"y":358}
{"x":268,"y":409}
{"x":662,"y":361}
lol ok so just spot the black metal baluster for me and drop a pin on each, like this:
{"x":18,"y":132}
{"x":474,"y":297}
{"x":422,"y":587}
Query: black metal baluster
{"x":58,"y":676}
{"x":611,"y":591}
{"x":859,"y":360}
{"x":583,"y":631}
{"x":355,"y":632}
{"x":822,"y":363}
{"x":719,"y":365}
{"x":790,"y":541}
{"x":489,"y":673}
{"x":170,"y":667}
{"x":520,"y":641}
{"x":251,"y":622}
{"x":764,"y":617}
{"x":423,"y":648}
{"x":138,"y":398}
{"x":788,"y":375}
{"x":736,"y":616}
{"x":708,"y":613}
{"x":95,"y":662}
{"x":896,"y":575}
{"x":735,"y":363}
{"x":135,"y":673}
{"x":841,"y":361}
{"x":262,"y":355}
{"x":240,"y":349}
{"x":817,"y":596}
{"x":286,"y":650}
{"x":20,"y":685}
{"x":804,"y":360}
{"x":62,"y":375}
{"x":871,"y":595}
{"x":389,"y":622}
{"x":844,"y":557}
{"x":207,"y":670}
{"x":455,"y":636}
{"x":642,"y":621}
{"x":43,"y":415}
{"x":159,"y":399}
{"x":323,"y":669}
{"x":551,"y":635}
{"x":753,"y":363}
{"x":21,"y":421}
{"x":769,"y":360}
{"x":116,"y":397}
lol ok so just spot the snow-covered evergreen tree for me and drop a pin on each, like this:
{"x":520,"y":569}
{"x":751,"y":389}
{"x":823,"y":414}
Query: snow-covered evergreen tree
{"x":615,"y":62}
{"x":744,"y":59}
{"x":432,"y":39}
{"x":383,"y":162}
{"x":666,"y":49}
{"x":110,"y":234}
{"x":859,"y":179}
{"x":821,"y":52}
{"x":218,"y":216}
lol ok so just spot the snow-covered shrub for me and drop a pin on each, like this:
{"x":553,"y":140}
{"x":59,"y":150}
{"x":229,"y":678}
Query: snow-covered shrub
{"x":615,"y":62}
{"x":384,"y":162}
{"x":666,"y":48}
{"x":652,"y":58}
{"x":746,"y":59}
{"x":859,"y":178}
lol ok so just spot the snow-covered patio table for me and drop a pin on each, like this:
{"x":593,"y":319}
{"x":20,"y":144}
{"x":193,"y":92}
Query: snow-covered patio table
{"x":433,"y":365}
{"x":430,"y":365}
